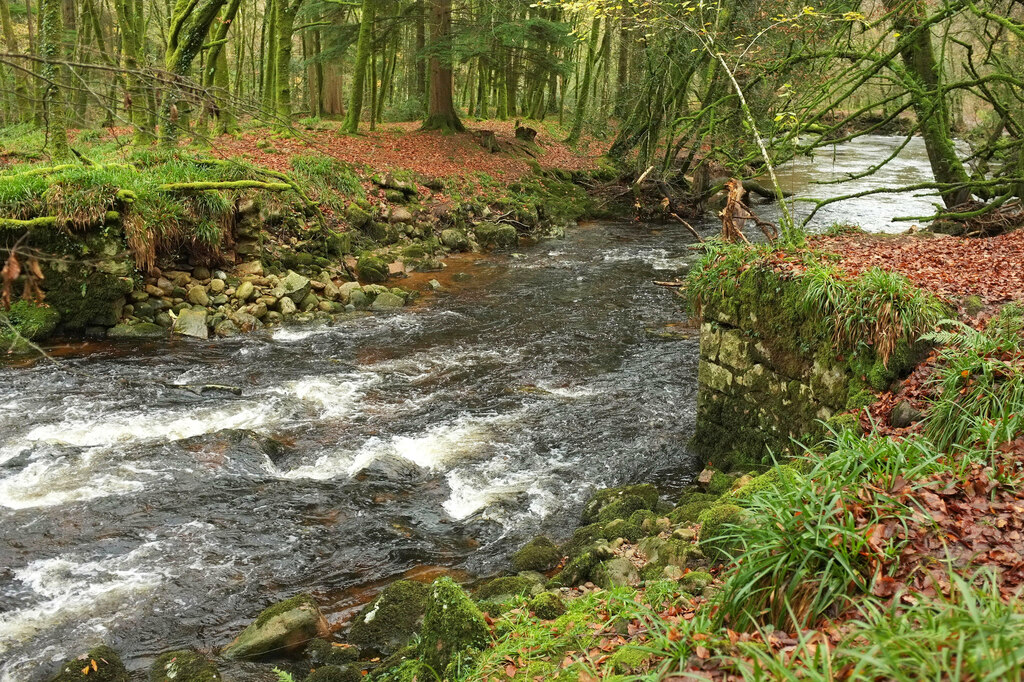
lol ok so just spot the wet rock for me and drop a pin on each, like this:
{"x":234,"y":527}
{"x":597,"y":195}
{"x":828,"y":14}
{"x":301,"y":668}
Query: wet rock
{"x":452,"y":624}
{"x":191,"y":323}
{"x":321,"y":652}
{"x":284,"y":628}
{"x":246,"y":321}
{"x":286,"y":306}
{"x":904,"y":414}
{"x":101,"y":664}
{"x":226,"y":329}
{"x":198,"y":296}
{"x":183,"y":666}
{"x":217,"y":286}
{"x":387,"y":623}
{"x":164,"y":320}
{"x":387,"y":301}
{"x":434,"y":285}
{"x":137,"y":330}
{"x":498,"y":236}
{"x":245,"y":291}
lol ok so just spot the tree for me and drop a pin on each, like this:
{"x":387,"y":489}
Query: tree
{"x":51,"y":24}
{"x":132,"y":24}
{"x":363,"y":48}
{"x":584,"y":89}
{"x":441,"y":114}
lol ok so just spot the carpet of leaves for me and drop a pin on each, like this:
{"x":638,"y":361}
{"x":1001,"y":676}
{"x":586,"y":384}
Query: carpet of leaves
{"x":954,"y":267}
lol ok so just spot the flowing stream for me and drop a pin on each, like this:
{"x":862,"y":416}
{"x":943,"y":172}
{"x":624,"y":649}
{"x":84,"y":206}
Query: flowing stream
{"x":434,"y":440}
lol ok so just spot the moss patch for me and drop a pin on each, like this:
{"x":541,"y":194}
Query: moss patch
{"x":183,"y":666}
{"x":101,"y":664}
{"x":452,"y":624}
{"x":387,"y":623}
{"x":540,"y":554}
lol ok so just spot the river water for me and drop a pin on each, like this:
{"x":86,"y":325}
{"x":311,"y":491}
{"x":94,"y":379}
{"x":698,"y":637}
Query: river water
{"x":438,"y":439}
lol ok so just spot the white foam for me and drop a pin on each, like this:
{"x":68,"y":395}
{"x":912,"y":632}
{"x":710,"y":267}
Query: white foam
{"x":45,"y":483}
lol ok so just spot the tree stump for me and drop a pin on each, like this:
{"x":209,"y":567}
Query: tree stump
{"x":526,"y":134}
{"x":488,"y":140}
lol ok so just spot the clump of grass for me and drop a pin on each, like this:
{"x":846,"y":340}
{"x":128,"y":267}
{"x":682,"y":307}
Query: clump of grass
{"x":333,"y":182}
{"x":980,"y":382}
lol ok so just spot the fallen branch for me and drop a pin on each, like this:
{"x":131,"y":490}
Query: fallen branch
{"x":676,"y":283}
{"x":225,"y":184}
{"x":689,"y":227}
{"x":16,"y":224}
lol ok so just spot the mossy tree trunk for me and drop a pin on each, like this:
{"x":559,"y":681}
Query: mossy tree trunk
{"x":216,"y":79}
{"x":132,"y":24}
{"x":286,"y":12}
{"x":51,"y":23}
{"x":584,"y":90}
{"x":364,"y":46}
{"x":22,"y":105}
{"x":441,"y":114}
{"x":189,"y":26}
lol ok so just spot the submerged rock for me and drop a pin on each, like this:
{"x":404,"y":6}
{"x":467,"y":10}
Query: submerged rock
{"x":387,"y":301}
{"x":387,"y":623}
{"x":284,"y":628}
{"x":335,"y":673}
{"x":183,"y":666}
{"x":101,"y":664}
{"x":137,"y":330}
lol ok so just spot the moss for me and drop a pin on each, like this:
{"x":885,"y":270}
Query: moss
{"x":622,"y":508}
{"x":540,"y":554}
{"x":720,"y":484}
{"x":582,"y":538}
{"x":714,"y":524}
{"x":687,"y":512}
{"x":547,"y":606}
{"x":645,"y":518}
{"x":844,"y":421}
{"x":621,"y":528}
{"x":777,"y":477}
{"x":696,"y":581}
{"x":603,"y":498}
{"x":452,"y":624}
{"x":335,"y":673}
{"x":33,"y":321}
{"x":371,"y":269}
{"x":507,"y":586}
{"x":629,"y":658}
{"x":579,"y":570}
{"x":84,"y":296}
{"x":860,"y":398}
{"x":357,"y":216}
{"x":973,"y":305}
{"x":108,"y":667}
{"x":183,"y":666}
{"x":387,"y":623}
{"x":322,"y":652}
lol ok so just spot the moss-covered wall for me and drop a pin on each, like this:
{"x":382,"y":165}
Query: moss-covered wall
{"x":767,"y":374}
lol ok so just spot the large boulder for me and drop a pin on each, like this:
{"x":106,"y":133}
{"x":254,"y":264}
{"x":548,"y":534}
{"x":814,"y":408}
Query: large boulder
{"x":621,"y":502}
{"x":191,"y":323}
{"x":617,"y":572}
{"x":371,"y":269}
{"x":497,"y":235}
{"x":100,"y":664}
{"x":540,"y":554}
{"x":387,"y":623}
{"x":451,"y":625}
{"x":295,"y":286}
{"x":183,"y":666}
{"x":284,"y":628}
{"x":387,"y":301}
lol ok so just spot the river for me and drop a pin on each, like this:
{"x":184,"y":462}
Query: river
{"x":435,"y":440}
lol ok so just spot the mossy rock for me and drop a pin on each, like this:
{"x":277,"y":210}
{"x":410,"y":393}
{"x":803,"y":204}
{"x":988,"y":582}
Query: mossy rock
{"x":496,"y":235}
{"x":339,"y":243}
{"x":540,"y":554}
{"x":601,"y":499}
{"x":455,"y":239}
{"x":101,"y":664}
{"x":452,"y":624}
{"x":507,"y":586}
{"x":646,"y":520}
{"x":690,"y":507}
{"x":33,"y":321}
{"x":321,"y":652}
{"x":357,"y":216}
{"x":781,"y":476}
{"x":183,"y":666}
{"x":85,"y":297}
{"x":617,"y":572}
{"x":621,"y":528}
{"x":627,"y":659}
{"x":844,"y":421}
{"x":387,"y":623}
{"x":371,"y":269}
{"x":547,"y":606}
{"x":578,"y":570}
{"x":715,"y":539}
{"x":335,"y":673}
{"x":582,"y":538}
{"x":695,"y":581}
{"x":284,"y":628}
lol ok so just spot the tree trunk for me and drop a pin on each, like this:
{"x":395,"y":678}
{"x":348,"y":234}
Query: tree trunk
{"x":286,"y":12}
{"x":584,"y":89}
{"x":441,"y":114}
{"x":363,"y":48}
{"x":51,"y":24}
{"x":22,"y":105}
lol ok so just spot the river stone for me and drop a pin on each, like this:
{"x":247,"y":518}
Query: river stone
{"x":251,"y":268}
{"x":400,"y":214}
{"x":245,"y":291}
{"x":358,"y":298}
{"x":164,"y":320}
{"x":285,"y":627}
{"x":198,"y":296}
{"x":246,"y":322}
{"x":617,"y":572}
{"x":138,"y":330}
{"x":310,"y":302}
{"x":451,"y":625}
{"x":295,"y":286}
{"x":387,"y":301}
{"x":183,"y":666}
{"x":217,"y":286}
{"x":165,"y":286}
{"x":286,"y":306}
{"x":346,"y":289}
{"x":331,"y":290}
{"x":903,"y":415}
{"x":191,"y":323}
{"x":455,"y":239}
